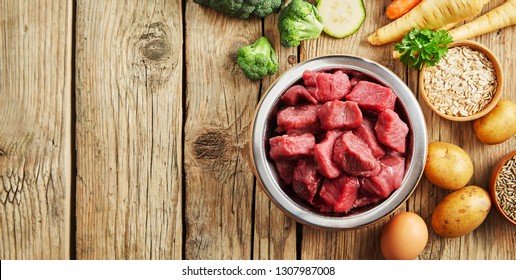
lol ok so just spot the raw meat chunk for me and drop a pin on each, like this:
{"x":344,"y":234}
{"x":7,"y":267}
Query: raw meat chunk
{"x":354,"y":81}
{"x":341,"y":145}
{"x":363,"y":200}
{"x":296,"y":95}
{"x":312,"y":90}
{"x":391,"y":130}
{"x":366,"y":133}
{"x":331,"y":86}
{"x":323,"y":152}
{"x":298,"y":119}
{"x":372,"y":97}
{"x":391,"y":152}
{"x":285,"y":170}
{"x":291,"y":146}
{"x":354,"y":156}
{"x":359,"y":75}
{"x":339,"y":114}
{"x":309,"y":78}
{"x":340,"y":193}
{"x":306,"y":180}
{"x":319,"y":204}
{"x":388,"y":180}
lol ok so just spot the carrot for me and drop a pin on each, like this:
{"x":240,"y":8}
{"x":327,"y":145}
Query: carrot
{"x":429,"y":14}
{"x":397,"y":8}
{"x":498,"y":18}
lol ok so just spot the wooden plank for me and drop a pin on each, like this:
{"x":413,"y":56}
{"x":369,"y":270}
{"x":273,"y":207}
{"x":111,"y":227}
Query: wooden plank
{"x":494,"y":239}
{"x":274,"y":232}
{"x":220,"y":103}
{"x":35,"y":130}
{"x":129,"y":129}
{"x":364,"y":243}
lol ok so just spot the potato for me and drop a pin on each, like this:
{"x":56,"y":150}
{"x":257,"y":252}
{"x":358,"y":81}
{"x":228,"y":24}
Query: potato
{"x":497,"y":126}
{"x":448,"y":166}
{"x":461,"y":211}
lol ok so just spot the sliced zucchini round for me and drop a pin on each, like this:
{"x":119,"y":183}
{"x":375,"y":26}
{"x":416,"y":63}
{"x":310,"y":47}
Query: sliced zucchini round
{"x":341,"y":18}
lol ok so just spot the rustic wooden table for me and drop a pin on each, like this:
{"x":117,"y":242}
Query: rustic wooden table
{"x":123,"y":135}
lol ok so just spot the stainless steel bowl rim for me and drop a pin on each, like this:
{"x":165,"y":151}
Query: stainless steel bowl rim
{"x":416,"y":124}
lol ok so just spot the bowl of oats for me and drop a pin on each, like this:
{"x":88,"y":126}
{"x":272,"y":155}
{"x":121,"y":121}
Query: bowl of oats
{"x":465,"y":85}
{"x":502,"y":186}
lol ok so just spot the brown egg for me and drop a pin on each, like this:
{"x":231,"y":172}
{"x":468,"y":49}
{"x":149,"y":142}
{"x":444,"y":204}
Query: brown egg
{"x":404,"y":237}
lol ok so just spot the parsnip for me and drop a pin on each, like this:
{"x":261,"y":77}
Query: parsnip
{"x":498,"y":18}
{"x":448,"y":26}
{"x":431,"y":14}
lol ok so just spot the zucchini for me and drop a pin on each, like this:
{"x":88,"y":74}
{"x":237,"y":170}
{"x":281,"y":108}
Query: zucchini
{"x":341,"y":18}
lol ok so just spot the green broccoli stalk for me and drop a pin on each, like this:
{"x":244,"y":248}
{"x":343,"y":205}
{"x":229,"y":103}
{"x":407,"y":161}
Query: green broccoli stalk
{"x":258,"y":59}
{"x":299,"y":21}
{"x":243,"y":8}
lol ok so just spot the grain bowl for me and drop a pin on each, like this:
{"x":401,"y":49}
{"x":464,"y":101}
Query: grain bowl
{"x":465,"y":85}
{"x":502,"y":186}
{"x":310,"y":194}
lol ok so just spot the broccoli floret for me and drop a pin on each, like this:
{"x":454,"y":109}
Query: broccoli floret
{"x":258,"y":59}
{"x":265,"y":8}
{"x":243,"y":8}
{"x":299,"y":21}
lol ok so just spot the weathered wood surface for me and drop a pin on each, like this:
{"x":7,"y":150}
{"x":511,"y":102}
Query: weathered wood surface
{"x":219,"y":107}
{"x":364,"y":243}
{"x":274,"y":233}
{"x":139,"y":129}
{"x":35,"y":129}
{"x":129,"y":98}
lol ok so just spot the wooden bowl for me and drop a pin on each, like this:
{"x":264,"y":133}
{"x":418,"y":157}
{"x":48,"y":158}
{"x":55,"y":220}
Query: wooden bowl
{"x":492,"y":185}
{"x":496,"y":97}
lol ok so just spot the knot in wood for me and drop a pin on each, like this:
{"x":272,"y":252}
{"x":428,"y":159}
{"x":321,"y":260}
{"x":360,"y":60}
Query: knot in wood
{"x":210,"y":145}
{"x":156,"y":48}
{"x":155,"y":44}
{"x":292,"y":59}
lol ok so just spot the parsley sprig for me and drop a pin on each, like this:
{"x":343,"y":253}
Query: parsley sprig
{"x":423,"y":46}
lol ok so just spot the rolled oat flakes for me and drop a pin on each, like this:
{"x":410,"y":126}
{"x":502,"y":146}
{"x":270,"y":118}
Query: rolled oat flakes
{"x":462,"y":83}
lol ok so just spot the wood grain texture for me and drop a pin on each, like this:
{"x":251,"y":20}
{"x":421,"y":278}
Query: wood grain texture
{"x":274,"y":232}
{"x":129,"y":129}
{"x":35,"y":139}
{"x":362,"y":243}
{"x":163,"y":115}
{"x":494,"y":239}
{"x":220,"y":103}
